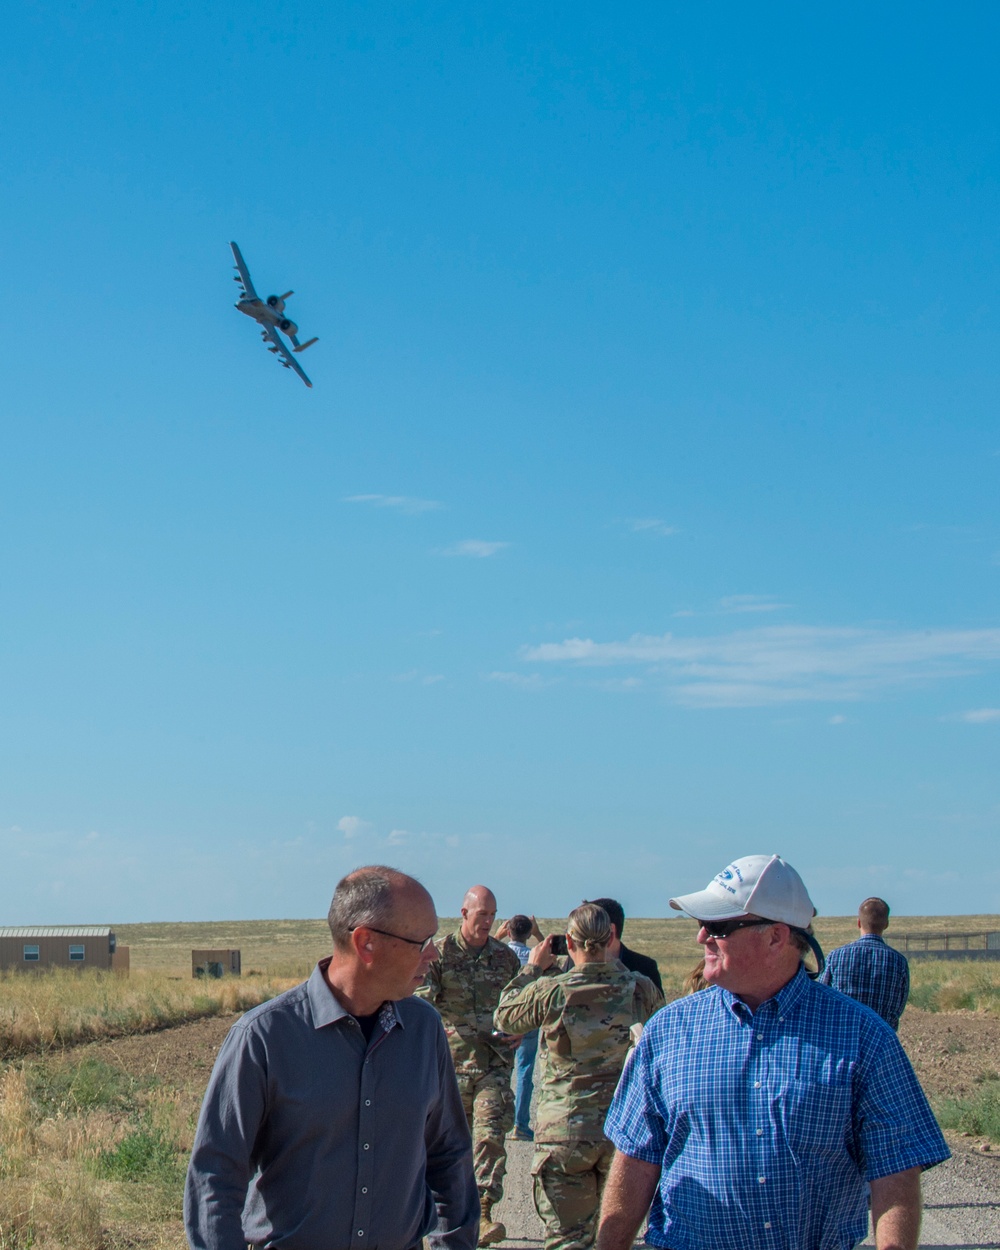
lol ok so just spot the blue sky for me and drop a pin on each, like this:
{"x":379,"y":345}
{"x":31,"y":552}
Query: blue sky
{"x":644,"y":513}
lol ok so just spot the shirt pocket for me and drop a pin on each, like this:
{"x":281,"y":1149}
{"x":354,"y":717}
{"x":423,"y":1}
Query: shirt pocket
{"x":816,"y":1116}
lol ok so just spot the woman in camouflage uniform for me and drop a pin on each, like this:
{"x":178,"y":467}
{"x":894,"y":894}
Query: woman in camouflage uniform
{"x":584,"y":1016}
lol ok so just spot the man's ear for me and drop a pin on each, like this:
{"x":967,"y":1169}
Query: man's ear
{"x":364,"y":946}
{"x":614,"y":931}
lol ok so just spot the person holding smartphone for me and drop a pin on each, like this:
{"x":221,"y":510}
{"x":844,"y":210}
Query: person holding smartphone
{"x":584,"y":1016}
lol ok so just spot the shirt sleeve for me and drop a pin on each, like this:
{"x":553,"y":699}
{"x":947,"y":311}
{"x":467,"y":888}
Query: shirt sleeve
{"x":219,"y":1171}
{"x":450,"y":1175}
{"x":524,"y":1003}
{"x":431,"y":988}
{"x":896,"y":1127}
{"x":634,"y":1124}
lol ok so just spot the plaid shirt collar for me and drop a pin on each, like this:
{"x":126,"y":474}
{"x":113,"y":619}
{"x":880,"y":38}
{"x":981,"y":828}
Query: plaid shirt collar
{"x":781,"y":1004}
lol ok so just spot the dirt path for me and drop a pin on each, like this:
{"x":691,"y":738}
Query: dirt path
{"x":951,"y":1053}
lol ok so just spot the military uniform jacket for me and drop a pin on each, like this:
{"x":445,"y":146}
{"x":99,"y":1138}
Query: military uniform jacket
{"x":464,"y":984}
{"x":584,"y":1016}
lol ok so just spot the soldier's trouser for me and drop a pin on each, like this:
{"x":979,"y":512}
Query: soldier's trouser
{"x":489,"y":1107}
{"x":569,"y":1179}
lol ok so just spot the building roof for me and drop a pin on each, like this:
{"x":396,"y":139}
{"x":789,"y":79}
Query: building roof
{"x":57,"y":931}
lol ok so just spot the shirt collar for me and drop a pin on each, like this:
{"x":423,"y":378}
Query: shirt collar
{"x":786,"y":999}
{"x":871,"y":937}
{"x":472,"y":950}
{"x":327,"y":1008}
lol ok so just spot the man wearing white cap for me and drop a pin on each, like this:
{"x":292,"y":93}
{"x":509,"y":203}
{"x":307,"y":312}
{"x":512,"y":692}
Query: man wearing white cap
{"x":763,"y":1113}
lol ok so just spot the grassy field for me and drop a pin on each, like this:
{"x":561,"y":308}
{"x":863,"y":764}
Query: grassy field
{"x":290,"y":948}
{"x":52,"y":1010}
{"x":93,"y":1139}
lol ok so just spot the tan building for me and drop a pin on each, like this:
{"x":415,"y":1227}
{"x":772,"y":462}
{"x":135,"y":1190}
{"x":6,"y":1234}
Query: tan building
{"x":217,"y":963}
{"x":33,"y":949}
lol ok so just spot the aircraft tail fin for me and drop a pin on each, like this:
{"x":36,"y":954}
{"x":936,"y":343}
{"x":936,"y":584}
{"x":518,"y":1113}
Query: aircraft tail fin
{"x":301,"y":347}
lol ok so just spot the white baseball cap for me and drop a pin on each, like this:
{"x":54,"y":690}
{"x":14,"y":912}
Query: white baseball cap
{"x":757,"y":885}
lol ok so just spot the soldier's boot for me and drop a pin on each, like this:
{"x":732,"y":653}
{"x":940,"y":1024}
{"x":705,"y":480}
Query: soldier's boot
{"x":490,"y":1230}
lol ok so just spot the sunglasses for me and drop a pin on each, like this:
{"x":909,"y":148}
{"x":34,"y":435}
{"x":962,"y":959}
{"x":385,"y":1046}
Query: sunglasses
{"x":720,"y":929}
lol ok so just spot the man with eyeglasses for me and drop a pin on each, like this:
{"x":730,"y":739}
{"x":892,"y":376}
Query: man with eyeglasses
{"x":465,"y":984}
{"x":332,"y":1117}
{"x":765,"y":1112}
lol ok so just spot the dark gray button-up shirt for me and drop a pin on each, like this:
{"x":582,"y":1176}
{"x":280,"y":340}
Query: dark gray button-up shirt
{"x":309,"y":1140}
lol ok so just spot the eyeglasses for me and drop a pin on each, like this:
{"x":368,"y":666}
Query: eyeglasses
{"x":721,"y":929}
{"x":399,"y":938}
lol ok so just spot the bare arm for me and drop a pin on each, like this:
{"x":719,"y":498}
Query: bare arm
{"x":629,"y":1190}
{"x":896,"y":1207}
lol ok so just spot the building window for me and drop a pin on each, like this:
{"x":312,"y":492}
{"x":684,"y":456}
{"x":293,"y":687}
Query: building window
{"x":76,"y":954}
{"x":31,"y":954}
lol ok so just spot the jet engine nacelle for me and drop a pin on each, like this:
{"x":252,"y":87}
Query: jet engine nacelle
{"x":288,"y":327}
{"x":276,"y":302}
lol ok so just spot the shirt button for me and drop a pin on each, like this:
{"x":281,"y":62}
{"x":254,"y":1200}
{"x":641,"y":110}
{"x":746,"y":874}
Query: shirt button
{"x":366,"y":1146}
{"x":361,"y":1232}
{"x":760,"y":1132}
{"x":364,"y":1189}
{"x":756,"y":1084}
{"x":760,"y":1037}
{"x":762,"y":1179}
{"x":368,"y":1102}
{"x":767,"y":1224}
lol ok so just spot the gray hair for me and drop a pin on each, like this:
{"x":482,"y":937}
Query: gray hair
{"x":589,"y":926}
{"x":366,"y":896}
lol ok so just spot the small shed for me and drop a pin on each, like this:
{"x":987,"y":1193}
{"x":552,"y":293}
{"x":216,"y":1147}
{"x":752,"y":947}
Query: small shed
{"x":217,"y":963}
{"x":26,"y":948}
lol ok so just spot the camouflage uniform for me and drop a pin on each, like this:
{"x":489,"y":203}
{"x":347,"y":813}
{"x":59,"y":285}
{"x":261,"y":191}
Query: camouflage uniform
{"x":584,"y":1016}
{"x":464,"y":984}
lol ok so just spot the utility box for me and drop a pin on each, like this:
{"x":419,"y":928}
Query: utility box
{"x":36,"y":949}
{"x":218,"y":963}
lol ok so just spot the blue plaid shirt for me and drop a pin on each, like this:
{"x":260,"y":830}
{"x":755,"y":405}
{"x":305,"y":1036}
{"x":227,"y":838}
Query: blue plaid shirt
{"x":769,"y":1125}
{"x":873,"y":973}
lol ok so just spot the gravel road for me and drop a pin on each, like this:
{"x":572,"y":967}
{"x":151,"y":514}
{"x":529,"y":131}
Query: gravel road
{"x":961,"y":1203}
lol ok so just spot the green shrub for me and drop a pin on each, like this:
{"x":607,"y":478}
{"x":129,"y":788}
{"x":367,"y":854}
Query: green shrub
{"x":145,"y":1154}
{"x":89,"y":1084}
{"x":979,"y":1114}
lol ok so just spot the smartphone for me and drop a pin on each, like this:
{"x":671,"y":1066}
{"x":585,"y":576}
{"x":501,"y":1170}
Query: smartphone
{"x":558,"y":944}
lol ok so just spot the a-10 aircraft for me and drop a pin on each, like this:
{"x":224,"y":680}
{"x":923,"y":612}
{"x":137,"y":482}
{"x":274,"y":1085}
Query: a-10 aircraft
{"x":270,"y":316}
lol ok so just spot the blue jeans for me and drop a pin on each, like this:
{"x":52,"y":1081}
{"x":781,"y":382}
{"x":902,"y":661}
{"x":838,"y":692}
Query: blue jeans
{"x":524,"y":1066}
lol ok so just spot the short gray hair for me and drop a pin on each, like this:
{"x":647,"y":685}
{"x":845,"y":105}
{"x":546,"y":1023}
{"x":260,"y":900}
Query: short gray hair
{"x":366,"y":896}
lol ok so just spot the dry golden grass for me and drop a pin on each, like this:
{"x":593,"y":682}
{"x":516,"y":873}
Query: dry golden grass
{"x":62,"y":1007}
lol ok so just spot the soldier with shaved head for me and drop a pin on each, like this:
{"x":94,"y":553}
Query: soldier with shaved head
{"x":464,"y":984}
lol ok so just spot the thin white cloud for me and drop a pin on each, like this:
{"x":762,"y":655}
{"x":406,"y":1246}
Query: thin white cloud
{"x":398,"y":837}
{"x":354,"y":827}
{"x":423,"y":679}
{"x":651,"y":525}
{"x":785,"y":664}
{"x":837,"y":720}
{"x":980,"y":715}
{"x":475,"y":548}
{"x":524,"y":681}
{"x":750,"y":603}
{"x":399,"y":503}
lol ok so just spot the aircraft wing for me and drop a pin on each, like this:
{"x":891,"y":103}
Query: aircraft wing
{"x":279,"y":348}
{"x":244,"y":272}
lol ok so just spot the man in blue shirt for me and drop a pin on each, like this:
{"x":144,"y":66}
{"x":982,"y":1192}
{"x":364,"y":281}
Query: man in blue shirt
{"x":870,"y":970}
{"x":762,"y":1113}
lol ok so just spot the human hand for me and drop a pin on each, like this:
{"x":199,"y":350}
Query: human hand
{"x":541,"y":955}
{"x":503,"y":933}
{"x":536,"y":933}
